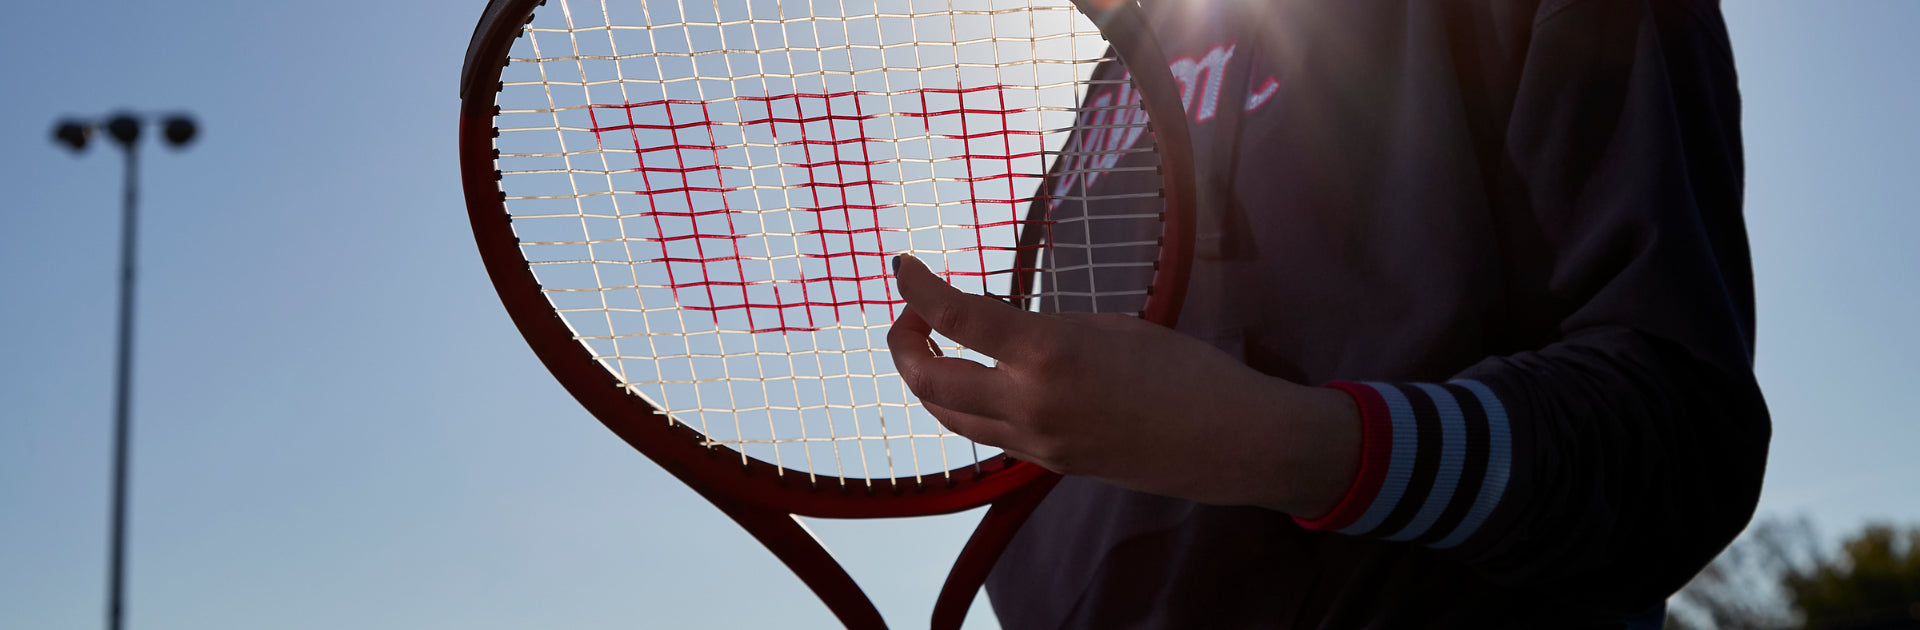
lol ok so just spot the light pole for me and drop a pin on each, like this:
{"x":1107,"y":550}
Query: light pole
{"x":124,"y":127}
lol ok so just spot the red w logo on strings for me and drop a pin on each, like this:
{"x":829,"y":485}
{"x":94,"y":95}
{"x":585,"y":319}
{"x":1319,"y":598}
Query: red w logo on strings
{"x":779,"y":213}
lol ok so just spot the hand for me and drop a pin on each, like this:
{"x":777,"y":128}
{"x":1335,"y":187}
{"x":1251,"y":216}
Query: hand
{"x":1124,"y":401}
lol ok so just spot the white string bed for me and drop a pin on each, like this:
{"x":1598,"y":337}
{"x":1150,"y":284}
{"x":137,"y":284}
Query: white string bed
{"x":710,"y":192}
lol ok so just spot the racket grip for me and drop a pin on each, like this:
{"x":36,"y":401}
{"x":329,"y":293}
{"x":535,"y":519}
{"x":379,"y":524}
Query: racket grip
{"x":983,"y":550}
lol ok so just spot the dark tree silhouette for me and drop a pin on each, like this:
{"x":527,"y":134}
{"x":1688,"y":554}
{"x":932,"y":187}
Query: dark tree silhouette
{"x":1875,"y":583}
{"x":1777,"y":576}
{"x":1741,"y":589}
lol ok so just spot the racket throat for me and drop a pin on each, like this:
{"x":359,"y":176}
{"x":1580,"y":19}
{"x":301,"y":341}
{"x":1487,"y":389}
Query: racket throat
{"x":983,"y":550}
{"x":803,"y":553}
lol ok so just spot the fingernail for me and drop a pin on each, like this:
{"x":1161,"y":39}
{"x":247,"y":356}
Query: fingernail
{"x":896,"y":263}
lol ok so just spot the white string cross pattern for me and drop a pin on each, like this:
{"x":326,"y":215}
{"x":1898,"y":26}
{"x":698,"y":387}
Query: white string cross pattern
{"x":710,"y":193}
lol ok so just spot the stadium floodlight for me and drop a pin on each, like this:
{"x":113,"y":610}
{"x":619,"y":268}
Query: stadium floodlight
{"x":124,"y":128}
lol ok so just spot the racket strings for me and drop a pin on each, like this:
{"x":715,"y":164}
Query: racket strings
{"x":709,"y":194}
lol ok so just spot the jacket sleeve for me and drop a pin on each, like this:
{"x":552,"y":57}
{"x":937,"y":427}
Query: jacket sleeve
{"x":1605,"y":468}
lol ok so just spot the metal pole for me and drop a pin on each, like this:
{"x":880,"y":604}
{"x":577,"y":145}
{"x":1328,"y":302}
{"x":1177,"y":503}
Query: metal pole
{"x":179,"y":130}
{"x":123,"y":382}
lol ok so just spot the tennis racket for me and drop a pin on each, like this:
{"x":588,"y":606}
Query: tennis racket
{"x":688,"y":208}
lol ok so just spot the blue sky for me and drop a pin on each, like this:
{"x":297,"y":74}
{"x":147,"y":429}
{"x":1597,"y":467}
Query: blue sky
{"x":336,"y":425}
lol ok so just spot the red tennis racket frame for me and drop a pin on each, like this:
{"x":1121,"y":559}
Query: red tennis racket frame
{"x":757,"y":494}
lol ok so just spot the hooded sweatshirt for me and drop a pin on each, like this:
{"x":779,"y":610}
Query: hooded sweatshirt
{"x":1511,"y":230}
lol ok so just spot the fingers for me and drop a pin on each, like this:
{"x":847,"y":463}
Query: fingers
{"x":951,"y":383}
{"x":974,"y":427}
{"x":914,"y":353}
{"x":968,"y":398}
{"x":976,"y":321}
{"x":990,"y":432}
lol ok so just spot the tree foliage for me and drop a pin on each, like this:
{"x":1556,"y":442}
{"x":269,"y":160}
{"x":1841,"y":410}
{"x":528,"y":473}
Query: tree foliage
{"x":1875,"y":579}
{"x":1778,"y":576}
{"x":1741,"y":589}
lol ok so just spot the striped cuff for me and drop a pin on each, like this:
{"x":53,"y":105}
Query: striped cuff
{"x":1434,"y":462}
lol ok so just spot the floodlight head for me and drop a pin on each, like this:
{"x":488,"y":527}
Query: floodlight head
{"x":180,"y":130}
{"x":74,"y":134}
{"x":125,"y":129}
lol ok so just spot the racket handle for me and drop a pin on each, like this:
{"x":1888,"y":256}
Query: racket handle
{"x":794,"y":545}
{"x":983,"y":550}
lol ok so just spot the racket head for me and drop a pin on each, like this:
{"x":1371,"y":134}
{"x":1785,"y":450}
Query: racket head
{"x":1026,"y":253}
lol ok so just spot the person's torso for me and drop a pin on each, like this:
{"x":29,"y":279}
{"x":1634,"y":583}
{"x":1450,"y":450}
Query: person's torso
{"x":1349,"y":228}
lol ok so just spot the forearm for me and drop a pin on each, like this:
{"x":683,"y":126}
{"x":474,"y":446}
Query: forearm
{"x":1610,"y":464}
{"x":1243,"y":438}
{"x":1301,"y":451}
{"x":1636,"y":461}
